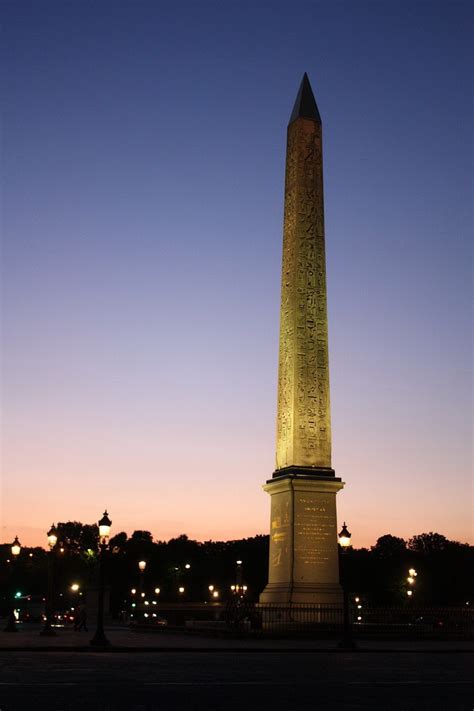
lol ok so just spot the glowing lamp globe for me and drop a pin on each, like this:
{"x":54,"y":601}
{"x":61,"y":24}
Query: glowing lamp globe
{"x":344,"y":538}
{"x":104,"y":527}
{"x":142,"y":565}
{"x":16,"y":547}
{"x":52,"y":536}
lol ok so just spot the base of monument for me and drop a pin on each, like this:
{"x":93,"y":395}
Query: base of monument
{"x":302,"y":593}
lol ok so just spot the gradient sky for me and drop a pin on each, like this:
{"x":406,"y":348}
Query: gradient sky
{"x":142,"y":179}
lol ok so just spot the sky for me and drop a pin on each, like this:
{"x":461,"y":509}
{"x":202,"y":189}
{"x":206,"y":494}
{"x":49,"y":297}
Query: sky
{"x":142,"y":176}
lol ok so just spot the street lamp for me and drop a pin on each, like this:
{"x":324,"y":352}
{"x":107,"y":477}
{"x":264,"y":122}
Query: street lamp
{"x":411,"y":580}
{"x":344,"y":540}
{"x":15,"y":551}
{"x":48,"y":630}
{"x":99,"y":639}
{"x":238,"y":577}
{"x":16,"y":547}
{"x":141,"y":582}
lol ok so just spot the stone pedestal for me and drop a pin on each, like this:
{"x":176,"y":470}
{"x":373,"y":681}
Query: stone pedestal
{"x":304,"y":563}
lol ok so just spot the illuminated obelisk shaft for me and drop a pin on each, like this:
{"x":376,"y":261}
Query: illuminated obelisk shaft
{"x":304,"y":419}
{"x":303,"y":537}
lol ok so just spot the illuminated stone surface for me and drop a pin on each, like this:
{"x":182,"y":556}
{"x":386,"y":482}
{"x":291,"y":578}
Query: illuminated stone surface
{"x":303,"y":419}
{"x":303,"y":539}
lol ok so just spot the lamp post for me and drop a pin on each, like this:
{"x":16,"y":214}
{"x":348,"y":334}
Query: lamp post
{"x":411,"y":580}
{"x":141,"y":568}
{"x":99,"y":639}
{"x":238,"y":577}
{"x":344,"y":540}
{"x":11,"y":624}
{"x":48,"y":630}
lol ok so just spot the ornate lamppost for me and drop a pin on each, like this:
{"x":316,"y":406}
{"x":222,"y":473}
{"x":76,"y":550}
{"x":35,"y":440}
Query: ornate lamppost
{"x":344,"y":540}
{"x":48,"y":630}
{"x":99,"y":639}
{"x":238,"y":578}
{"x":15,"y":550}
{"x":142,"y":568}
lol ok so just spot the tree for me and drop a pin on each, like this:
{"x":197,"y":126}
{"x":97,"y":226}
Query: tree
{"x":427,"y":543}
{"x":118,"y":543}
{"x":141,"y":537}
{"x":389,"y":546}
{"x":78,"y":537}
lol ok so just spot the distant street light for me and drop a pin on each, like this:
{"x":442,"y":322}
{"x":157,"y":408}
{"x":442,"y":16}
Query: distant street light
{"x":411,"y":580}
{"x":181,"y":590}
{"x":74,"y":587}
{"x":48,"y":630}
{"x":157,"y":591}
{"x":141,"y":581}
{"x":344,"y":539}
{"x":238,"y":588}
{"x":99,"y":639}
{"x":15,"y":551}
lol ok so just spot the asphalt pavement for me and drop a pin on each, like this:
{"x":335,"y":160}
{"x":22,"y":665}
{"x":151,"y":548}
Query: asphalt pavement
{"x":175,"y":671}
{"x":227,"y":681}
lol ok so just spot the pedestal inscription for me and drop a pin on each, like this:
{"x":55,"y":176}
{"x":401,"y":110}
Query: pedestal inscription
{"x":304,"y":565}
{"x":315,"y":535}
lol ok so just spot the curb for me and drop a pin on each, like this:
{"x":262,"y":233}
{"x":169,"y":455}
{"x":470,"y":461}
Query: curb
{"x":230,"y":650}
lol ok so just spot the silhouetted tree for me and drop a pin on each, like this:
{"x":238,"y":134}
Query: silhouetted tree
{"x":428,"y":543}
{"x":389,"y":546}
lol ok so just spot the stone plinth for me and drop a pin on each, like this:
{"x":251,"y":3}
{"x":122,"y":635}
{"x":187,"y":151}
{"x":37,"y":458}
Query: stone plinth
{"x":304,"y":564}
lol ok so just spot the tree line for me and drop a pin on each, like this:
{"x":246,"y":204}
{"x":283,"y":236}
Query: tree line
{"x":378,"y":575}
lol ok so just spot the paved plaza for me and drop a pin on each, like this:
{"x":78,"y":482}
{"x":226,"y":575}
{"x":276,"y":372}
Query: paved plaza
{"x":176,"y":671}
{"x":122,"y":638}
{"x":227,"y":681}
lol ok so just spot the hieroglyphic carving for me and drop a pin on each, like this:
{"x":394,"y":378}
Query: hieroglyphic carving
{"x":303,"y":421}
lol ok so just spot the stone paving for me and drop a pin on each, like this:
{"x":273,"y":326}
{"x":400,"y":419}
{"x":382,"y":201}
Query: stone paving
{"x":122,"y":638}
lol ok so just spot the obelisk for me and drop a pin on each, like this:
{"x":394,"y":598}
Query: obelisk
{"x":303,"y":564}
